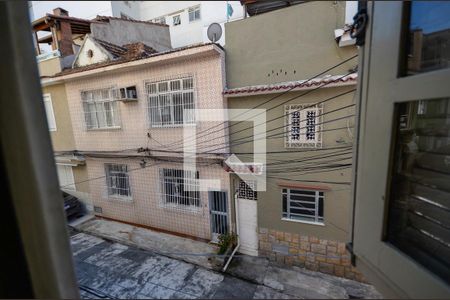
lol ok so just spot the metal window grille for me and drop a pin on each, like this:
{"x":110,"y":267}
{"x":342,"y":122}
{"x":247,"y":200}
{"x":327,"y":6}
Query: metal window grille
{"x":176,"y":20}
{"x":194,"y":13}
{"x":168,"y":100}
{"x":303,"y":126}
{"x":247,"y":190}
{"x":303,"y":205}
{"x":117,"y":180}
{"x":180,"y":188}
{"x":160,"y":20}
{"x":100,"y":109}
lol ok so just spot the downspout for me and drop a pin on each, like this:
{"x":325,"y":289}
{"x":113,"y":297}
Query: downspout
{"x":236,"y":214}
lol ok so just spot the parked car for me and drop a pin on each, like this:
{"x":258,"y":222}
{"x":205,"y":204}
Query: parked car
{"x":72,"y":206}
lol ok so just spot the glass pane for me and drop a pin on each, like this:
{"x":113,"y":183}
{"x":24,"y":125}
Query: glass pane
{"x":428,"y":43}
{"x":419,"y":203}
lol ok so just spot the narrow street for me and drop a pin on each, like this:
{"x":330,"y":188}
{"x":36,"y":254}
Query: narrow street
{"x":112,"y":270}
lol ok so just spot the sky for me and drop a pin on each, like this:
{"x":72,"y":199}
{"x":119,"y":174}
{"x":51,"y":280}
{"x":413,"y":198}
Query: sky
{"x":430,"y":15}
{"x":80,"y":9}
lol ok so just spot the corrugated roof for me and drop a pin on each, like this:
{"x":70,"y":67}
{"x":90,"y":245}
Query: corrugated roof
{"x":293,"y":85}
{"x":115,"y":50}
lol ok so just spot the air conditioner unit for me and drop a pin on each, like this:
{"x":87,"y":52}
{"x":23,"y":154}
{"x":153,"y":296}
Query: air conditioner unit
{"x":126,"y":94}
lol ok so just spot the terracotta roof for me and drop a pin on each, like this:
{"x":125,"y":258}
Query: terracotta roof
{"x":293,"y":85}
{"x":125,"y":59}
{"x":107,"y":18}
{"x":115,"y":50}
{"x":138,"y":50}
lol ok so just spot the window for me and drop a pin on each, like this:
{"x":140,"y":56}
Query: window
{"x":65,"y":177}
{"x":194,"y":13}
{"x":180,"y":187}
{"x":160,"y":20}
{"x":100,"y":109}
{"x":428,"y":41}
{"x":247,"y":190}
{"x":303,"y":205}
{"x":303,"y":125}
{"x":419,"y":203}
{"x":168,"y":100}
{"x":49,"y":112}
{"x":176,"y":20}
{"x":117,"y":180}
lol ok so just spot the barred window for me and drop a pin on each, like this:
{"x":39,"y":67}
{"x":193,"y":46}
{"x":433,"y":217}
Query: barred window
{"x":303,"y":205}
{"x":303,"y":126}
{"x":168,"y":100}
{"x":247,"y":190}
{"x":180,"y":187}
{"x":117,"y":180}
{"x":100,"y":109}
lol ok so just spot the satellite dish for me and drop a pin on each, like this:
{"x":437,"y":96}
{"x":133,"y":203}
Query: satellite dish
{"x":214,"y":32}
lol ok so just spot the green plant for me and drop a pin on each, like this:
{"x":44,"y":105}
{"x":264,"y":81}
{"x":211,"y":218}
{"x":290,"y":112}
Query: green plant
{"x":225,"y":240}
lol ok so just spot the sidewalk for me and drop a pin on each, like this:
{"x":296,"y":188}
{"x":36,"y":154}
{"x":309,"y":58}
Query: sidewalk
{"x":184,"y":249}
{"x":294,"y":282}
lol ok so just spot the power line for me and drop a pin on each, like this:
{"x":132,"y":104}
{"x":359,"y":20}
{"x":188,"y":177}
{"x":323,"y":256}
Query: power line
{"x":279,"y":95}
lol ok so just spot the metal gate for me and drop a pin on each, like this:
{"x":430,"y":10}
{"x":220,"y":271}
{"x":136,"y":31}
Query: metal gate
{"x":218,"y":214}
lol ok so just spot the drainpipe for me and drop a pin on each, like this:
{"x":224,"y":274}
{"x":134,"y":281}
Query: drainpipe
{"x":236,"y":213}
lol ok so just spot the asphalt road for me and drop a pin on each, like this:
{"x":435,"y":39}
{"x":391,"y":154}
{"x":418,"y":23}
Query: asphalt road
{"x":111,"y":270}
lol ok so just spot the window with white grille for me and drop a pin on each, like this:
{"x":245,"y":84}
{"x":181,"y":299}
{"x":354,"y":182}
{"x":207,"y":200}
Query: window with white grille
{"x":168,"y":100}
{"x":180,"y":188}
{"x":101,"y":110}
{"x":247,"y":190}
{"x":303,"y":205}
{"x":194,"y":13}
{"x":117,"y":180}
{"x":303,"y":126}
{"x":65,"y":177}
{"x":49,"y":112}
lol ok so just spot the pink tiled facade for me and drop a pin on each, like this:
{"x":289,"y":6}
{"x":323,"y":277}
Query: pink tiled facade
{"x":145,"y":206}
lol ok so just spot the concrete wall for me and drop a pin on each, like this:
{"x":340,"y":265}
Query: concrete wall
{"x":257,"y":52}
{"x":146,"y":206}
{"x":62,"y":138}
{"x":99,"y":55}
{"x":316,"y":247}
{"x":49,"y":67}
{"x":121,"y":32}
{"x":206,"y":67}
{"x":186,"y":33}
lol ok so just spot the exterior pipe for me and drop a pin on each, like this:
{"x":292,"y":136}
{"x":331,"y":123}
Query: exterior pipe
{"x":236,"y":213}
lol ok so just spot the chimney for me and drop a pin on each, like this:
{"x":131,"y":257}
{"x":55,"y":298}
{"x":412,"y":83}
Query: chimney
{"x":60,"y":12}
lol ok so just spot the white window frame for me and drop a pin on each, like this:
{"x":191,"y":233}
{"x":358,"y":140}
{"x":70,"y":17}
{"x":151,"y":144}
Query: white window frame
{"x":195,"y":12}
{"x":65,"y":177}
{"x":115,"y":175}
{"x":301,"y":111}
{"x":174,"y":18}
{"x":287,"y":214}
{"x":161,"y":102}
{"x":172,"y":200}
{"x":106,"y":98}
{"x":51,"y":121}
{"x":160,"y":20}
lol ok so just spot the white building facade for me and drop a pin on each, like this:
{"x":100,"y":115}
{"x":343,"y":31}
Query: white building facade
{"x":188,"y":20}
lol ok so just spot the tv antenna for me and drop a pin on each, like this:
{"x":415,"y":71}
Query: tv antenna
{"x":214,"y":32}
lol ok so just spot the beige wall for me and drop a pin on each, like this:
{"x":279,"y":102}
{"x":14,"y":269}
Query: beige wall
{"x":146,"y":206}
{"x":337,"y":204}
{"x":207,"y":71}
{"x":49,"y":67}
{"x":62,"y":138}
{"x":296,"y":42}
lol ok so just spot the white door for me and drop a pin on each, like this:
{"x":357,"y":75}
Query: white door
{"x":248,"y":226}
